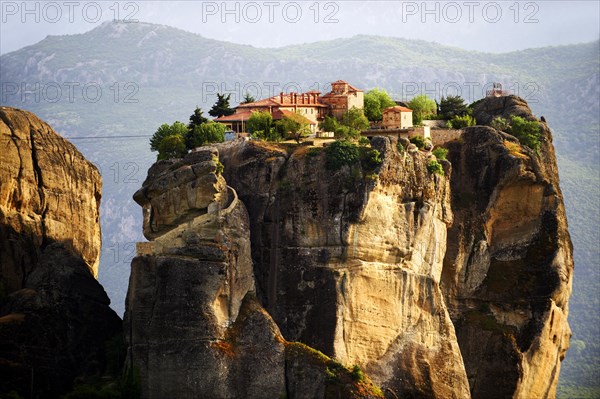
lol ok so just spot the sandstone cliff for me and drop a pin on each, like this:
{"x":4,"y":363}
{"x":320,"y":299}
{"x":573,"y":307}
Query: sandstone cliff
{"x":350,"y":265}
{"x":54,"y":315}
{"x":450,"y":286}
{"x":507,"y":274}
{"x":195,"y":327}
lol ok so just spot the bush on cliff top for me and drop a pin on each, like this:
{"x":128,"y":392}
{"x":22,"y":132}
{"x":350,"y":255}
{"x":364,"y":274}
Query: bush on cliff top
{"x":340,"y":153}
{"x":528,"y":132}
{"x":460,"y":122}
{"x":419,"y":141}
{"x":440,"y":153}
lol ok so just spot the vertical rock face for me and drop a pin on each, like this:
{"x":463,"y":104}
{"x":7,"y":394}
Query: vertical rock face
{"x":54,"y":315}
{"x":194,"y":326}
{"x":352,"y":266}
{"x":450,"y":286}
{"x":507,"y":272}
{"x":184,"y":305}
{"x":49,"y":192}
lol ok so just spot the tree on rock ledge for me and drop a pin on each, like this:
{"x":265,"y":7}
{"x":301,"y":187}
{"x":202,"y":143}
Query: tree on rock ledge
{"x":221,"y":107}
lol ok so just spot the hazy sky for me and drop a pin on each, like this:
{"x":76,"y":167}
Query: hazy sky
{"x":493,"y":26}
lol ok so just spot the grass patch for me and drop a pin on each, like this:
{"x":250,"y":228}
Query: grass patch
{"x":341,"y":381}
{"x":514,"y":149}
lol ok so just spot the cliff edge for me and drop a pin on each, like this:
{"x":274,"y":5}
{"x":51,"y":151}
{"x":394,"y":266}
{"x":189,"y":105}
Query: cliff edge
{"x":509,"y":266}
{"x":266,"y":263}
{"x":54,"y":316}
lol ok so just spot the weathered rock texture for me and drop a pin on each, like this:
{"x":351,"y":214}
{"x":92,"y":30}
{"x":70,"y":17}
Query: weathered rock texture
{"x":54,"y":315}
{"x":508,"y":268}
{"x":48,"y":192}
{"x":368,"y":264}
{"x":351,"y":266}
{"x":195,"y":328}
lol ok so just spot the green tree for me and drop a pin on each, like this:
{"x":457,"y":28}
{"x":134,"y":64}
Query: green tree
{"x":452,"y":106}
{"x":210,"y":132}
{"x":422,"y":107}
{"x":259,"y":121}
{"x":221,"y":107}
{"x":355,"y":119}
{"x":196,"y":119}
{"x":172,"y":147}
{"x":166,"y":130}
{"x":248,"y":99}
{"x":329,"y":124}
{"x":294,"y":126}
{"x":376,"y":100}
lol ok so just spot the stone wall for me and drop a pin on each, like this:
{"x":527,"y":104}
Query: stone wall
{"x":443,"y":136}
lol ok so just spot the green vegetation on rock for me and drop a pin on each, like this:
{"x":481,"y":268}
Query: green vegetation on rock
{"x":435,"y":167}
{"x":419,"y":141}
{"x":341,"y":153}
{"x":461,"y":122}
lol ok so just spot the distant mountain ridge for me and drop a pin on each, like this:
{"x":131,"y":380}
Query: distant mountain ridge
{"x":149,"y":74}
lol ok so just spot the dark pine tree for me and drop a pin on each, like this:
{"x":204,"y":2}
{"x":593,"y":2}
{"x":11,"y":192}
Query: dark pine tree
{"x":221,"y":107}
{"x":248,"y":99}
{"x":196,"y":119}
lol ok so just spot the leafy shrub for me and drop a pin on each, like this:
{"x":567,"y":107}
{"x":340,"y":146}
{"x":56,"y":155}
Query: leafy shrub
{"x":419,"y":141}
{"x":528,"y":132}
{"x":205,"y":133}
{"x":435,"y":167}
{"x":11,"y":395}
{"x":172,"y":147}
{"x":423,"y":107}
{"x":440,"y":153}
{"x":340,"y":153}
{"x":345,"y":132}
{"x":371,"y":177}
{"x":376,"y":100}
{"x":400,"y":147}
{"x":363,"y":141}
{"x":460,"y":122}
{"x":370,"y":158}
{"x":499,"y":123}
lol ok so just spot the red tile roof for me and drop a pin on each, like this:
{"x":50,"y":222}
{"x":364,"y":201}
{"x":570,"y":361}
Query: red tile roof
{"x":276,"y":114}
{"x":275,"y":101}
{"x":397,"y":108}
{"x":237,"y":117}
{"x":350,"y":87}
{"x":267,"y":102}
